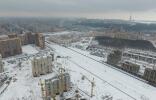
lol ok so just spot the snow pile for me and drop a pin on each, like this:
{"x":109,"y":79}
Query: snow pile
{"x":28,"y":49}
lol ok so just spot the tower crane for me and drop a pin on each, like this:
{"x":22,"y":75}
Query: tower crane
{"x":92,"y":84}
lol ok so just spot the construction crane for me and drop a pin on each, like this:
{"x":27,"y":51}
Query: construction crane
{"x":42,"y":88}
{"x":61,"y":70}
{"x":92,"y":84}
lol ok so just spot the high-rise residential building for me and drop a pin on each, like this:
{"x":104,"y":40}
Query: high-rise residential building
{"x":57,"y":85}
{"x":1,"y":65}
{"x":10,"y":47}
{"x":42,"y":65}
{"x":40,"y":40}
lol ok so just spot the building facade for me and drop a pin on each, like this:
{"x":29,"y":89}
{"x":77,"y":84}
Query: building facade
{"x":40,"y":40}
{"x":57,"y":85}
{"x":149,"y":57}
{"x":1,"y":65}
{"x":42,"y":65}
{"x":10,"y":47}
{"x":33,"y":38}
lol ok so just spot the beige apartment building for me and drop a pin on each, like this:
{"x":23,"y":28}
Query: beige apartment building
{"x":42,"y":65}
{"x":10,"y":45}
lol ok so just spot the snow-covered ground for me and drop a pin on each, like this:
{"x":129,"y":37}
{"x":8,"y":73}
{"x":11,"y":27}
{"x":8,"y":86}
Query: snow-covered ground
{"x":61,"y":33}
{"x":28,"y":49}
{"x":23,"y":85}
{"x":108,"y":80}
{"x":83,"y":43}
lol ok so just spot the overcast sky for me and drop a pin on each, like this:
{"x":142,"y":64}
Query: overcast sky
{"x":105,"y":9}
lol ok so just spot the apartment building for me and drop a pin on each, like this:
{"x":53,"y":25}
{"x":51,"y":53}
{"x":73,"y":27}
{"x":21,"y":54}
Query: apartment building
{"x":10,"y":47}
{"x":42,"y":65}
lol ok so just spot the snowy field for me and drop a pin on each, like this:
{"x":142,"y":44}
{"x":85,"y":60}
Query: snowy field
{"x":28,"y":49}
{"x":23,"y":85}
{"x":121,"y":86}
{"x":61,"y":33}
{"x":108,"y":81}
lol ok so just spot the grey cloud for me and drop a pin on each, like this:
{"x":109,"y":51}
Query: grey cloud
{"x":77,"y":5}
{"x":141,"y":9}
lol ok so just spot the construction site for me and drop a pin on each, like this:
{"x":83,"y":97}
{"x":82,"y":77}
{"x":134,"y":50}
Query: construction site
{"x":77,"y":50}
{"x":70,"y":72}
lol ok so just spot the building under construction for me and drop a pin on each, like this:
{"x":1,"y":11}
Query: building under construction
{"x":56,"y":86}
{"x":150,"y":76}
{"x":40,"y":40}
{"x":42,"y":65}
{"x":1,"y":65}
{"x":130,"y":67}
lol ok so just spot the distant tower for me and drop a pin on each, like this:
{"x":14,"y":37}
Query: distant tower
{"x":130,"y":18}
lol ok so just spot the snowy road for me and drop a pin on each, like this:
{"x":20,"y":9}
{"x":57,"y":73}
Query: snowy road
{"x":133,"y":88}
